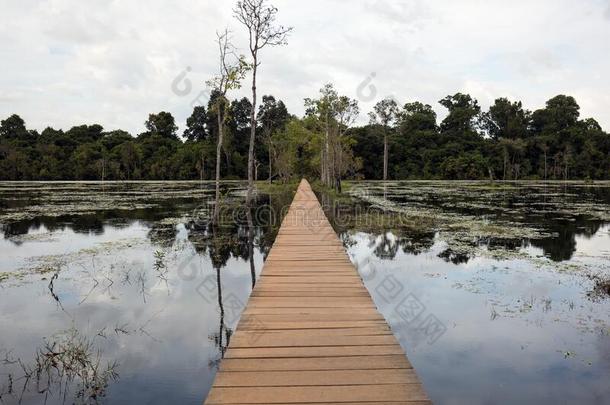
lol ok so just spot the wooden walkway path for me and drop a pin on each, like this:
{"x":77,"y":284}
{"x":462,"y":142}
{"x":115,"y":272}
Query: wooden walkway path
{"x":310,"y":333}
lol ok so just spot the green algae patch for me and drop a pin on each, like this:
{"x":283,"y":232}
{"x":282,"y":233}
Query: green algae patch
{"x":276,"y":188}
{"x":30,"y":200}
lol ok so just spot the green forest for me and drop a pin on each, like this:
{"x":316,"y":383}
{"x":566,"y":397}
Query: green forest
{"x":506,"y":142}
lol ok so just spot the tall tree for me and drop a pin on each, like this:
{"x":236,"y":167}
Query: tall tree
{"x":231,"y":71}
{"x":273,"y":116}
{"x":196,"y":128}
{"x":346,"y":112}
{"x":417,"y":117}
{"x":259,"y":18}
{"x":198,"y":131}
{"x":322,"y":110}
{"x":506,"y":119}
{"x":285,"y":145}
{"x":13,"y":129}
{"x":239,"y":124}
{"x":463,"y":114}
{"x":561,"y":112}
{"x":162,"y":124}
{"x":416,"y":133}
{"x":332,"y":114}
{"x":385,"y":114}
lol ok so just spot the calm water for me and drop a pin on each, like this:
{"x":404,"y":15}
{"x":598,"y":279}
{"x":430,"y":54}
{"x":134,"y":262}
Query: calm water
{"x":122,"y":293}
{"x":126,"y":281}
{"x":498,"y":319}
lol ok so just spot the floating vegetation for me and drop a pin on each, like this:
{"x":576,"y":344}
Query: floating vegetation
{"x":34,"y":237}
{"x":47,"y":264}
{"x":163,"y":233}
{"x":601,"y":289}
{"x":8,"y":276}
{"x":160,"y":267}
{"x":496,"y":220}
{"x":32,"y":200}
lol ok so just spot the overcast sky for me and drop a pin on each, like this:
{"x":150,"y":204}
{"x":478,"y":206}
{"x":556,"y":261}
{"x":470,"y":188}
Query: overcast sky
{"x":112,"y":62}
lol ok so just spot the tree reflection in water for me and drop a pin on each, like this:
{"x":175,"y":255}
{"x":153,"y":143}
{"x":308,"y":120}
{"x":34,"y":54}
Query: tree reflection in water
{"x":223,"y":337}
{"x":237,"y":232}
{"x":389,"y":232}
{"x":394,"y":229}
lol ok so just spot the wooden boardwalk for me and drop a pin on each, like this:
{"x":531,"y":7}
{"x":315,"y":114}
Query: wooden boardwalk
{"x":310,"y":333}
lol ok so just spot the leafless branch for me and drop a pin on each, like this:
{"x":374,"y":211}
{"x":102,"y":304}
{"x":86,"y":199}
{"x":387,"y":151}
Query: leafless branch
{"x":260,"y":20}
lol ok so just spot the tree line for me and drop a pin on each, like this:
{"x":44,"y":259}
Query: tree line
{"x":506,"y":142}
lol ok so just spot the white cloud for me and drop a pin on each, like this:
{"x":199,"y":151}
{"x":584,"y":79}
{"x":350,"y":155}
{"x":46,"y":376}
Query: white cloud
{"x":67,"y":62}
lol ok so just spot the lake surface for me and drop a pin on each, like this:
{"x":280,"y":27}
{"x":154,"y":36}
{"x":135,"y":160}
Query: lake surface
{"x":124,"y":293}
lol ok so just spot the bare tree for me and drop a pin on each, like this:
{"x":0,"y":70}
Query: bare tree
{"x":232,"y":70}
{"x":259,"y":19}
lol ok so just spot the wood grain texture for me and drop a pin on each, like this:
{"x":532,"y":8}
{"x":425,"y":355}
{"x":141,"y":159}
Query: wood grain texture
{"x":310,"y":333}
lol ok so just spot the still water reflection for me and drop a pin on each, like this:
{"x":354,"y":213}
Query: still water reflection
{"x":497,"y":298}
{"x":123,"y":293}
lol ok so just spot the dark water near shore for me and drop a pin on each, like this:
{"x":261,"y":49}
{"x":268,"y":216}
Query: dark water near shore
{"x":122,"y":293}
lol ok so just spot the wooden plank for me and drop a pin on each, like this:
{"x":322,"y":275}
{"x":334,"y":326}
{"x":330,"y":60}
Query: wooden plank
{"x":280,"y":292}
{"x":288,"y":287}
{"x":373,"y":329}
{"x":271,"y":315}
{"x":336,"y":351}
{"x":334,"y":313}
{"x":258,"y":339}
{"x":316,"y":325}
{"x":316,"y":394}
{"x":299,"y":378}
{"x":365,"y":403}
{"x":317,"y":363}
{"x":311,"y":333}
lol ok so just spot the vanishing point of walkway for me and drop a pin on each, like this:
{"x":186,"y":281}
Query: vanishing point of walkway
{"x":310,"y":333}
